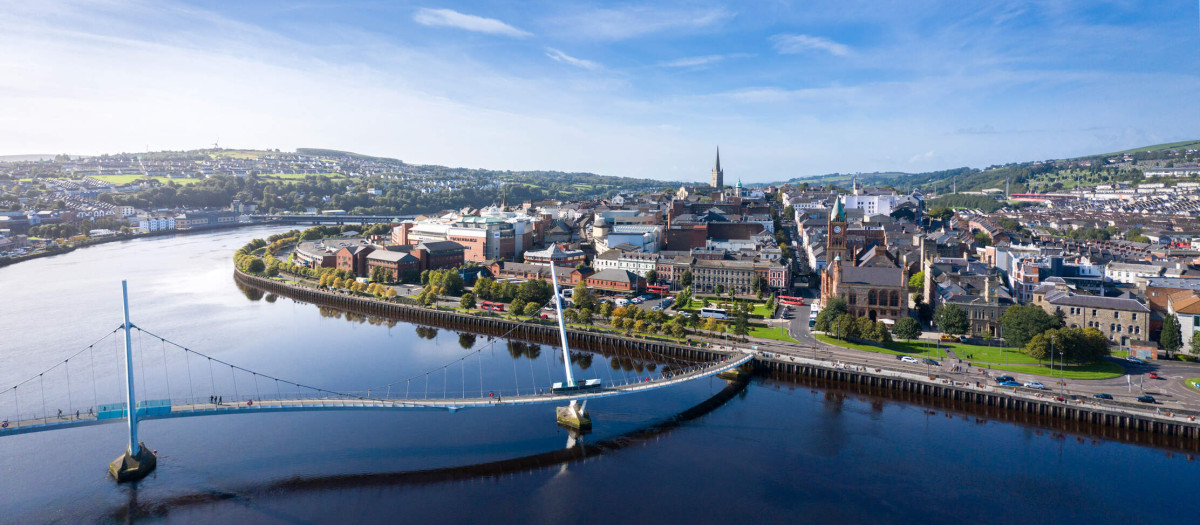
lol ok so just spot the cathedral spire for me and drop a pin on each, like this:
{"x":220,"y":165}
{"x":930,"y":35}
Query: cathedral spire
{"x":718,"y":166}
{"x":718,"y":176}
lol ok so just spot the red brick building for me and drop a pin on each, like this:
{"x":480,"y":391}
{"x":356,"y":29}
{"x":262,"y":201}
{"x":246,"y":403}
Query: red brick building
{"x":353,"y":259}
{"x":616,"y":281}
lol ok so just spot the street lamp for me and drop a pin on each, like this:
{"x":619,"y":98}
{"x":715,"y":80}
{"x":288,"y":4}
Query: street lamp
{"x":1061,"y":372}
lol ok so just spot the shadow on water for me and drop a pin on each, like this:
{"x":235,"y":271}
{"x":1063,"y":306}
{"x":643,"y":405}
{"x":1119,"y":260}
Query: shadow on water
{"x":575,"y":451}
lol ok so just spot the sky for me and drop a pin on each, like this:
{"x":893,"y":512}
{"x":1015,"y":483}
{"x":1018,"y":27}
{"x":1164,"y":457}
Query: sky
{"x":785,"y":88}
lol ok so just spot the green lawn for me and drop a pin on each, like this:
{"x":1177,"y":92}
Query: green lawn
{"x":972,"y":353}
{"x":1098,"y":370}
{"x":301,"y":176}
{"x":1193,"y":383}
{"x":777,"y":333}
{"x":895,"y":348}
{"x":126,"y":179}
{"x":758,"y":309}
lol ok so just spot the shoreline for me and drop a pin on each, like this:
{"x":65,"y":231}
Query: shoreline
{"x":1180,"y":424}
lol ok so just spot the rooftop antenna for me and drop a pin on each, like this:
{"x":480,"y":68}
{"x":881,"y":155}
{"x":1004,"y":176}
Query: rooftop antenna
{"x":217,"y":144}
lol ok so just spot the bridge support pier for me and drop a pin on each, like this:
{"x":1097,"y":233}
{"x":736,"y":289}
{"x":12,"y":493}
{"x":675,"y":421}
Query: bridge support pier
{"x":133,"y":466}
{"x":137,"y":461}
{"x":574,"y":417}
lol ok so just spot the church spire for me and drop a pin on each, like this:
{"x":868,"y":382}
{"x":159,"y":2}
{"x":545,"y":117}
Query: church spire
{"x":718,"y":176}
{"x":718,"y":166}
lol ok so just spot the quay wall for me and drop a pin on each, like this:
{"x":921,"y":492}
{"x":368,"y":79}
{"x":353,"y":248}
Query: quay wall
{"x":1180,"y":425}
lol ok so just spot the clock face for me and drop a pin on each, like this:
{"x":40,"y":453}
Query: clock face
{"x":837,"y":229}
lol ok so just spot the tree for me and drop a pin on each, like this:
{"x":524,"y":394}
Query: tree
{"x":678,"y":330}
{"x":517,"y":306}
{"x":845,"y":326}
{"x":907,"y":328}
{"x":531,"y":309}
{"x":917,"y":281}
{"x":652,"y":277}
{"x":710,"y":324}
{"x":483,"y":287}
{"x":467,"y":301}
{"x":606,"y":308}
{"x":880,"y":333}
{"x":390,"y":293}
{"x":685,"y":280}
{"x":1171,"y":339}
{"x":256,"y":266}
{"x":951,"y":320}
{"x":582,"y":296}
{"x":719,"y":289}
{"x":1195,"y":342}
{"x":834,"y":308}
{"x":741,"y":322}
{"x":1021,"y":322}
{"x":585,"y":316}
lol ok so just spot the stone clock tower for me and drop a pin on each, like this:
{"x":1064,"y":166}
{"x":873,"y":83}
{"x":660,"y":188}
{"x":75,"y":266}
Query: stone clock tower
{"x":835,"y":235}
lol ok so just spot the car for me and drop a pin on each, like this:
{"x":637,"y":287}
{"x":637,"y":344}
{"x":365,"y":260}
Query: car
{"x":1009,"y":383}
{"x":1146,"y":399}
{"x":1153,"y":375}
{"x":1003,"y":379}
{"x":910,"y":359}
{"x":1102,"y":395}
{"x":1035,"y":384}
{"x":929,"y":361}
{"x":648,"y":296}
{"x":656,"y":308}
{"x":637,"y":300}
{"x":1134,"y":360}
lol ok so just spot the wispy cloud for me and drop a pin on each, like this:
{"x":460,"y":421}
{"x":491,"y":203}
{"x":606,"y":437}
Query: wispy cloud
{"x":701,"y":60}
{"x":632,"y":22}
{"x":921,"y":157}
{"x":478,"y":24}
{"x":559,"y":56}
{"x":796,"y":44}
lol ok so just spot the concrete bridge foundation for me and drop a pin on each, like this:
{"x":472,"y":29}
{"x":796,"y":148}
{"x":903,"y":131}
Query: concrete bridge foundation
{"x":132,"y":467}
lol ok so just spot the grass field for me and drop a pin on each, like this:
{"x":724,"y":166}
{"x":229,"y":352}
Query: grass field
{"x":1099,"y":370}
{"x":777,"y":333}
{"x":896,"y":348}
{"x":972,"y":353}
{"x":126,"y":179}
{"x":300,"y":176}
{"x":1193,"y":383}
{"x":759,"y":308}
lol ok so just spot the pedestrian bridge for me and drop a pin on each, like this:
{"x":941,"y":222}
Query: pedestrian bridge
{"x":169,"y":409}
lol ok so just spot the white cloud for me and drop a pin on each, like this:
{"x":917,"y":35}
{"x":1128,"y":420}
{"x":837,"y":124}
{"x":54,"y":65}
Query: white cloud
{"x":701,"y":60}
{"x":559,"y":56}
{"x":921,"y":157}
{"x":795,"y":44}
{"x":631,"y":22}
{"x":478,"y":24}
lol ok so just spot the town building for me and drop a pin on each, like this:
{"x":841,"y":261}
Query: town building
{"x":1120,"y":319}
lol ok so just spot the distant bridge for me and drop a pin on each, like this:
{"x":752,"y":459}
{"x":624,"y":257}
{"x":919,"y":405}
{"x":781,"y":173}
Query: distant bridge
{"x":331,"y":219}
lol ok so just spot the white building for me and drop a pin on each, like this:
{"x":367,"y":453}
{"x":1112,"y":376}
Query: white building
{"x":150,"y":223}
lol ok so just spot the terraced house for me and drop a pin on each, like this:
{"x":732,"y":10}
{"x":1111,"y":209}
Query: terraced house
{"x":1122,"y":320}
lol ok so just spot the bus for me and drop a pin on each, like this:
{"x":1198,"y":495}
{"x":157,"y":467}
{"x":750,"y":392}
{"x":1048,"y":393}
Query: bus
{"x":658,"y":289}
{"x":717,"y":313}
{"x":491,"y":307}
{"x":790,"y":299}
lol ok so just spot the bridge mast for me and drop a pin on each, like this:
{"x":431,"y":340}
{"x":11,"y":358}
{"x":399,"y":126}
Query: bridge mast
{"x":575,"y":414}
{"x":136,"y":462}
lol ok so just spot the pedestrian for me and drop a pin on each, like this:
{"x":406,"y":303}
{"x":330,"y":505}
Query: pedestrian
{"x":60,"y":413}
{"x":77,"y":414}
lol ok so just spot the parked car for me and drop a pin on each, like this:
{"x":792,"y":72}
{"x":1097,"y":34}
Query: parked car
{"x":1146,"y":399}
{"x":1135,"y":360}
{"x":1102,"y":395}
{"x":1153,"y":375}
{"x":910,"y":359}
{"x":1002,"y":379}
{"x":929,"y":361}
{"x":1009,"y":383}
{"x":1035,"y":384}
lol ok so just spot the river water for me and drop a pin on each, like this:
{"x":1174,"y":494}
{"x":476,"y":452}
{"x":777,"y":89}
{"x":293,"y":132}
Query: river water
{"x":776,"y":451}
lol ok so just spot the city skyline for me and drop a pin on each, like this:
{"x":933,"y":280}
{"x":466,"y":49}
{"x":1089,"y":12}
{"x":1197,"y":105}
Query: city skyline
{"x":611,"y":89}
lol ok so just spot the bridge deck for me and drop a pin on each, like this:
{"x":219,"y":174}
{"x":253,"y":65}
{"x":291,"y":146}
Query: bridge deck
{"x":191,"y":409}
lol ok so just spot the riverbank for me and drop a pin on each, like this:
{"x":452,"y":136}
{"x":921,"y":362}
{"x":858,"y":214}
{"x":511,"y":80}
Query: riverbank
{"x":1178,"y":423}
{"x":8,"y":261}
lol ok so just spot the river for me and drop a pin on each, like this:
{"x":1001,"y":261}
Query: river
{"x":776,"y":451}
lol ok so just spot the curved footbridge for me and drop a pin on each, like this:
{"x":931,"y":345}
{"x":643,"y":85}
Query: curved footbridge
{"x":167,"y":409}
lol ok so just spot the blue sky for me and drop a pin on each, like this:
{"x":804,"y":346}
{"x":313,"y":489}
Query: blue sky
{"x":785,"y":88}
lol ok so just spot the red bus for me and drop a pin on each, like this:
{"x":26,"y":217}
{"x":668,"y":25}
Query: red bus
{"x":658,"y":289}
{"x":790,"y":299}
{"x":491,"y":307}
